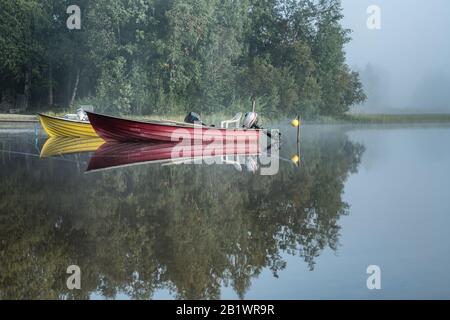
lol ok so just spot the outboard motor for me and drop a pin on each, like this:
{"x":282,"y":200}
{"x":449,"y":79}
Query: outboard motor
{"x":81,"y":114}
{"x":193,"y":118}
{"x":251,"y":120}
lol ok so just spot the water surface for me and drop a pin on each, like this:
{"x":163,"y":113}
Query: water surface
{"x":363,"y":195}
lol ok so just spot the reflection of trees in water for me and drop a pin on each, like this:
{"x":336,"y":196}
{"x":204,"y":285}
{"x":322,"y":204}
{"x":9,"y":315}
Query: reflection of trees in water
{"x":190,"y":229}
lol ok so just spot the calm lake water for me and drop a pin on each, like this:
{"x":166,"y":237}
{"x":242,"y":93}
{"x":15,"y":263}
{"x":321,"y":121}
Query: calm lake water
{"x":363,"y":195}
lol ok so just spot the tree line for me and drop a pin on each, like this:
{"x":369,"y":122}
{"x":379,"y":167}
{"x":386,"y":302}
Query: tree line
{"x":170,"y":56}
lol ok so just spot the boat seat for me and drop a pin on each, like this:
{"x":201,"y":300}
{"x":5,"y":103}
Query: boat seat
{"x":236,"y":120}
{"x":71,"y":116}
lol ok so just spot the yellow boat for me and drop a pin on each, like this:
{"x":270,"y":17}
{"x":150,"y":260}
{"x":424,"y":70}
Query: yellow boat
{"x":57,"y":146}
{"x":59,"y":127}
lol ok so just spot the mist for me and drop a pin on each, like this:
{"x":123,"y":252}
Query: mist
{"x":405,"y":65}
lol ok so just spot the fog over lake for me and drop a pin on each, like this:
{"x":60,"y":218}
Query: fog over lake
{"x":405,"y":65}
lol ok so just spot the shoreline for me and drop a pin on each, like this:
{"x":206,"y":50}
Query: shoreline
{"x":21,"y":118}
{"x":345,"y":119}
{"x":396,"y":118}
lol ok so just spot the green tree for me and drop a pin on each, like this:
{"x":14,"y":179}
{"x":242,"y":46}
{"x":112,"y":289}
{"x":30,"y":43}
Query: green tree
{"x":160,"y":56}
{"x":22,"y":26}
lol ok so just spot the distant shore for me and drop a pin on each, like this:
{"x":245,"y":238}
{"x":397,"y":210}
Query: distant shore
{"x":350,"y":118}
{"x":8,"y":117}
{"x":396,"y":118}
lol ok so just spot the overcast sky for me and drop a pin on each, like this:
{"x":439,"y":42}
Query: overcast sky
{"x":410,"y":53}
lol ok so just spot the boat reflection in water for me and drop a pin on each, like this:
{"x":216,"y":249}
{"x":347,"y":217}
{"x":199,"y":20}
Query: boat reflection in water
{"x":108,"y":155}
{"x":119,"y":154}
{"x":57,"y":146}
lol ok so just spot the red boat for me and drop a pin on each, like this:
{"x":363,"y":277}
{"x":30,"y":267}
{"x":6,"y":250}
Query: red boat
{"x":117,"y":129}
{"x":119,"y":154}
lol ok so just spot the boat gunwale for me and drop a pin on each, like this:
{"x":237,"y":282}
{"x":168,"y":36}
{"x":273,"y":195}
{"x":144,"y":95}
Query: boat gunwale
{"x":167,"y":124}
{"x":63,"y":119}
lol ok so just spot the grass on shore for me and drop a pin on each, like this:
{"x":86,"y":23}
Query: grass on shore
{"x":217,"y":117}
{"x":11,"y":117}
{"x":386,"y":118}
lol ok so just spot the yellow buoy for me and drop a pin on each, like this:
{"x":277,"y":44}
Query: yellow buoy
{"x":295,"y":123}
{"x":295,"y":159}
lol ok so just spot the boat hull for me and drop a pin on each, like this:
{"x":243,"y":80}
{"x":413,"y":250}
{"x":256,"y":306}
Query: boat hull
{"x":58,"y":127}
{"x":125,"y":130}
